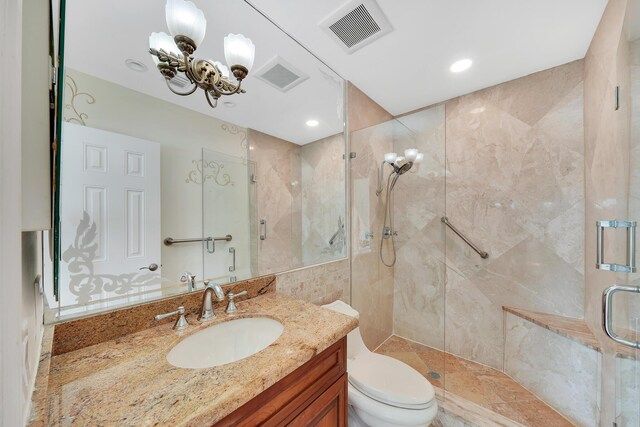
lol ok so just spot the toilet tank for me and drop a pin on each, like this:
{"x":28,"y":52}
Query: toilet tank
{"x":355,"y":345}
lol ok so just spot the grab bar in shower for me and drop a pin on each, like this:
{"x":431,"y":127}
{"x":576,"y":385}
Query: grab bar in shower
{"x":483,"y":254}
{"x":211,"y":241}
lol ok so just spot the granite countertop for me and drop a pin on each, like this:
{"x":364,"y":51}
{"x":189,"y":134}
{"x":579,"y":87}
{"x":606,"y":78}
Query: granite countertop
{"x":127,"y":381}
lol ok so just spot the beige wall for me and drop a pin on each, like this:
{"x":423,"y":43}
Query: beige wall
{"x":515,"y":187}
{"x":323,"y":200}
{"x":372,"y":282}
{"x":606,"y":152}
{"x":607,"y":171}
{"x":278,"y":201}
{"x":319,"y":284}
{"x":419,"y":203}
{"x":301,"y":194}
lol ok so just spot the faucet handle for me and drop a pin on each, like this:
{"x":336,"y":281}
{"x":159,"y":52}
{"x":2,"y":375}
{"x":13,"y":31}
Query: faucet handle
{"x":231,"y":307}
{"x":181,"y":322}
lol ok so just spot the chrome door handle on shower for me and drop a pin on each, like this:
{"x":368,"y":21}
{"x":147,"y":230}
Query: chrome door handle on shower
{"x":233,"y":264}
{"x":607,"y":314}
{"x":263,"y":229}
{"x":630,"y":267}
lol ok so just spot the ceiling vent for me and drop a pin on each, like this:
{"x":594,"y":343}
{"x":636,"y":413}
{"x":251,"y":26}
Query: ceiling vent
{"x":280,"y":74}
{"x":356,"y":24}
{"x":180,"y":81}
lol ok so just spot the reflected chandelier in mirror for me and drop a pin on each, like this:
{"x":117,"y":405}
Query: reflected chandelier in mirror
{"x":172,"y":54}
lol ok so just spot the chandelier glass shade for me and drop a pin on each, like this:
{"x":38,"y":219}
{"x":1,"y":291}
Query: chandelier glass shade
{"x":173,"y":54}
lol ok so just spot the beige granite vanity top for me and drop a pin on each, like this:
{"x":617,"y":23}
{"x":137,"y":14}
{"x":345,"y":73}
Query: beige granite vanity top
{"x":128,"y":382}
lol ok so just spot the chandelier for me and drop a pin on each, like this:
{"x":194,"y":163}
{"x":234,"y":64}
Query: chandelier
{"x":173,"y":54}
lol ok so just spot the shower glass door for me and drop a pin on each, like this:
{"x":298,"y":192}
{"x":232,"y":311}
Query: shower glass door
{"x":401,"y":303}
{"x":626,"y":305}
{"x":228,"y":196}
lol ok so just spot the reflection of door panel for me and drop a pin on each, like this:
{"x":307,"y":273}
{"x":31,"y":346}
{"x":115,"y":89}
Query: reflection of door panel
{"x":110,"y":215}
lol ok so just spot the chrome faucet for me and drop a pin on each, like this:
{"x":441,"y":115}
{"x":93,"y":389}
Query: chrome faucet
{"x":190,"y":279}
{"x":206,"y":312}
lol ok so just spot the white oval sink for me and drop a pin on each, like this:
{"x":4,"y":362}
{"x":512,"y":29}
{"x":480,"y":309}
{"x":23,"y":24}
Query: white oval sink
{"x":225,"y":343}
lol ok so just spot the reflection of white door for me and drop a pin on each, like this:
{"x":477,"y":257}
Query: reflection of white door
{"x":110,"y":216}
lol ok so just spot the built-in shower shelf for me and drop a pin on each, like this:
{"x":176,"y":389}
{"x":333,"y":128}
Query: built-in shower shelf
{"x":568,"y":327}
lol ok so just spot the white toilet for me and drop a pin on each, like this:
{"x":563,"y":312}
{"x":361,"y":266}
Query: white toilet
{"x":383,"y":392}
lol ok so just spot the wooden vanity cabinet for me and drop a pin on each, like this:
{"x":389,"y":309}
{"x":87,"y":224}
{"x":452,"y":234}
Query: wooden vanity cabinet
{"x":315,"y":394}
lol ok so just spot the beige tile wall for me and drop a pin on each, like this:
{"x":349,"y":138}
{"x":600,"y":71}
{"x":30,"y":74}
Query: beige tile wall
{"x":323,"y":200}
{"x":559,"y":370}
{"x":419,"y":203}
{"x":301,"y":194}
{"x":607,"y":152}
{"x":514,"y":187}
{"x":319,"y":284}
{"x":372,"y":282}
{"x":279,"y":202}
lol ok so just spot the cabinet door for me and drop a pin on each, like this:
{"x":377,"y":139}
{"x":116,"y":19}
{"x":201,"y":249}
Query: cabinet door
{"x":328,"y":410}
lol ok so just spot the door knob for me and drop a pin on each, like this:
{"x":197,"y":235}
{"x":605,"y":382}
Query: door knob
{"x":151,"y":267}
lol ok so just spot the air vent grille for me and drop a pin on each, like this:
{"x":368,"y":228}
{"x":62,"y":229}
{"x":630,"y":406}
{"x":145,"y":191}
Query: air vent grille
{"x":355,"y":26}
{"x":179,"y":81}
{"x":280,"y":74}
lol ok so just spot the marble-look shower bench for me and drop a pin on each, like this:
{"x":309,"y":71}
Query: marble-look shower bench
{"x":570,"y":381}
{"x":569,"y":327}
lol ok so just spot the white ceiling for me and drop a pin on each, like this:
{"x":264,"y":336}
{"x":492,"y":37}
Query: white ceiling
{"x":409,"y":67}
{"x":100,"y":35}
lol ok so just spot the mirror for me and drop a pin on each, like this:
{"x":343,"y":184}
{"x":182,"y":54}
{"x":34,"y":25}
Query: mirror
{"x":153,"y":185}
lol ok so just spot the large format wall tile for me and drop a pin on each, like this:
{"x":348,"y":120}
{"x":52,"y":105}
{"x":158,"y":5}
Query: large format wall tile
{"x":323,"y":200}
{"x":628,"y":388}
{"x":277,"y":167}
{"x":372,"y":282}
{"x":607,"y":176}
{"x":418,"y":205}
{"x":515,"y":187}
{"x":320,"y":284}
{"x":568,"y":381}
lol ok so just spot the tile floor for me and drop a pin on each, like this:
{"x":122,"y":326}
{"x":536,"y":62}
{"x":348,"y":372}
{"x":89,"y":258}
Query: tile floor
{"x":474,"y":382}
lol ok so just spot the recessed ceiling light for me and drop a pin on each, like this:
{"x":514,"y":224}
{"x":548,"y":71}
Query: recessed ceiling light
{"x":229,"y":104}
{"x":460,"y":66}
{"x":135,"y":65}
{"x":312,"y":123}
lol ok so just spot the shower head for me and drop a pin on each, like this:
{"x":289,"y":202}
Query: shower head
{"x":401,"y":166}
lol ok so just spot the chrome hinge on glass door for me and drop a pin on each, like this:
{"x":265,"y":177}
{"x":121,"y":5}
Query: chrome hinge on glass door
{"x":607,"y":314}
{"x":630,"y":267}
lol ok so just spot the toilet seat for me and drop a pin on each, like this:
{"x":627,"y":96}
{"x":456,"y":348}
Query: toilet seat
{"x":390,"y":381}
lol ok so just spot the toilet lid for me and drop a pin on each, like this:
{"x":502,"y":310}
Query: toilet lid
{"x":390,"y":381}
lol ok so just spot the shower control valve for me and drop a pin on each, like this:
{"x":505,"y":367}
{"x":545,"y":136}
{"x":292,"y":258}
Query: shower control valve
{"x":388,"y":232}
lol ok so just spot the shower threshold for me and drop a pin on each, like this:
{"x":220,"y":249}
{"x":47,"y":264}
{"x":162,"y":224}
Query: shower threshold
{"x":464,"y":381}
